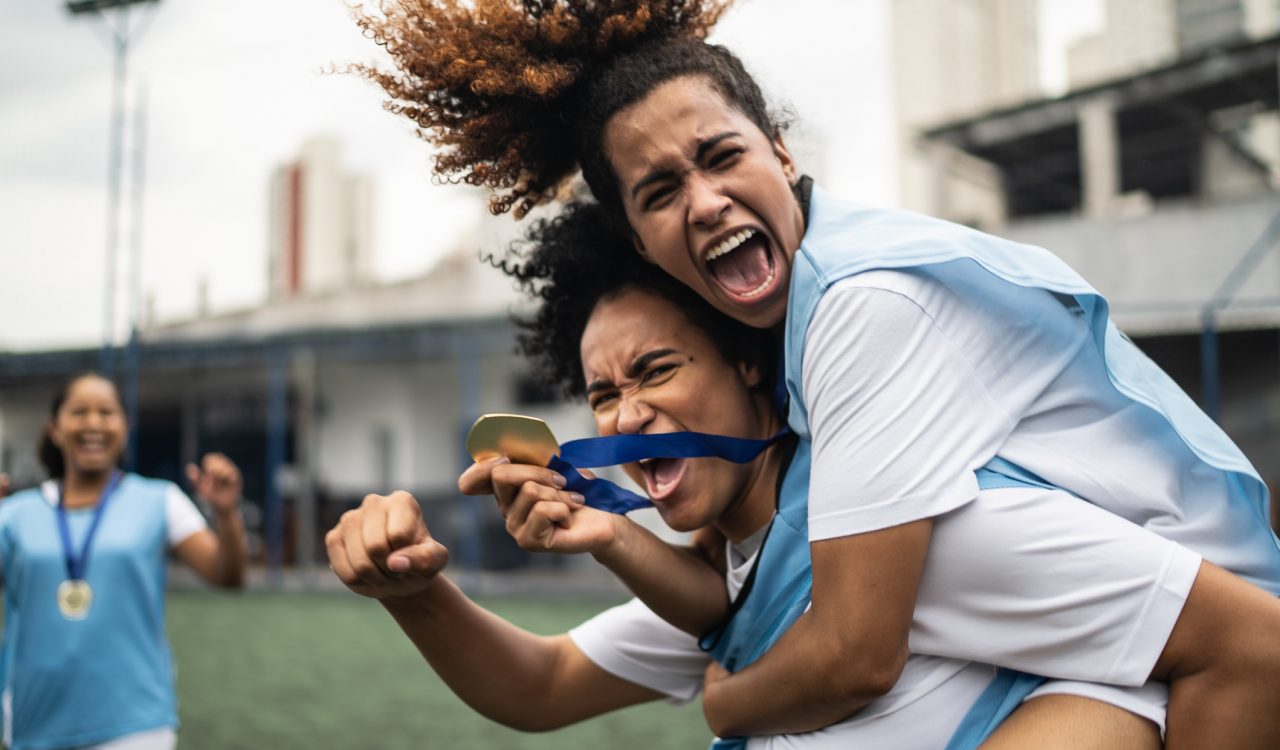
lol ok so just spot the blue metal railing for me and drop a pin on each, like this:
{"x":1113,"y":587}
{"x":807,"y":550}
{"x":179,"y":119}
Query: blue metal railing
{"x":1210,"y":375}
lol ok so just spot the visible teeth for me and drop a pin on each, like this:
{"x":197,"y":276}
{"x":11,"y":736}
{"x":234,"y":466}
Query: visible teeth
{"x":729,"y":243}
{"x":763,"y":285}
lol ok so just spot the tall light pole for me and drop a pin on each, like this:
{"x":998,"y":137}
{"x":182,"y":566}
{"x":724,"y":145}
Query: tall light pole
{"x":115,"y":18}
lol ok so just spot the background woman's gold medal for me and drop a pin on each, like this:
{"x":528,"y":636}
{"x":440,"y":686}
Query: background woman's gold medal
{"x":74,"y":598}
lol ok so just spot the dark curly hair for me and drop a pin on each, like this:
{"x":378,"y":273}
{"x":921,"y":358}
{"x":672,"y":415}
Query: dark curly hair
{"x":516,"y":93}
{"x":574,"y":261}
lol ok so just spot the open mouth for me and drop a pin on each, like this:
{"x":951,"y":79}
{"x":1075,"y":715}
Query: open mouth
{"x":662,"y":476}
{"x":743,"y":265}
{"x":93,"y":447}
{"x":91,"y":443}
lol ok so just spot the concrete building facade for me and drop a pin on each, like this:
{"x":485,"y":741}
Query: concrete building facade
{"x":1158,"y":183}
{"x":319,"y":224}
{"x":333,"y":387}
{"x":1144,"y":34}
{"x":953,"y":58}
{"x":321,"y":400}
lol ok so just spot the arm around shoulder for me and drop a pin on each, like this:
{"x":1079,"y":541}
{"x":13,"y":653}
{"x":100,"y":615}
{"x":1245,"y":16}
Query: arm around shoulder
{"x":847,"y":650}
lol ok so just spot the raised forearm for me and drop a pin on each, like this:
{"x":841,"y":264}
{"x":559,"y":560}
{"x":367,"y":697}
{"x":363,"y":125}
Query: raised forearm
{"x":384,"y":551}
{"x":847,"y":650}
{"x":229,"y":526}
{"x":506,"y":673}
{"x":677,"y":583}
{"x":793,"y":688}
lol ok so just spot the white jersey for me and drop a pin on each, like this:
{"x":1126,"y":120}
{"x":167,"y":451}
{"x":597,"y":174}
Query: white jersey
{"x":1028,"y":578}
{"x":952,"y":384}
{"x":920,"y":712}
{"x":181,"y":516}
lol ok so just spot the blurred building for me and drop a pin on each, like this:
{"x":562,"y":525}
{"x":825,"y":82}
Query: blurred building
{"x":334,"y":387}
{"x":1156,"y":178}
{"x":954,"y":58}
{"x":319,"y":223}
{"x":1145,"y":34}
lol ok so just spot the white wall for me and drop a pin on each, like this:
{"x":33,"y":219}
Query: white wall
{"x":360,"y":399}
{"x":954,"y":58}
{"x":22,"y":417}
{"x":1178,"y":255}
{"x":1139,"y":35}
{"x":420,"y":405}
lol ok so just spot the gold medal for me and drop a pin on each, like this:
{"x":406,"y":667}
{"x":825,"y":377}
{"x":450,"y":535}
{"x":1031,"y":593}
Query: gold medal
{"x":74,"y":598}
{"x":525,"y":440}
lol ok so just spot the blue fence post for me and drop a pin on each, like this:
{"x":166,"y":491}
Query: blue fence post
{"x":469,"y":533}
{"x":1211,"y":382}
{"x":277,"y":434}
{"x":132,"y":355}
{"x":1210,"y":373}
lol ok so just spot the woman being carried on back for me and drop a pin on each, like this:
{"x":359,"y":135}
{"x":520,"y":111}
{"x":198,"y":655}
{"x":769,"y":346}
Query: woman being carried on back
{"x":919,"y":356}
{"x":645,"y":351}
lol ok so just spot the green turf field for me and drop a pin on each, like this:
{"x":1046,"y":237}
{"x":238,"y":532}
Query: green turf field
{"x":281,"y":671}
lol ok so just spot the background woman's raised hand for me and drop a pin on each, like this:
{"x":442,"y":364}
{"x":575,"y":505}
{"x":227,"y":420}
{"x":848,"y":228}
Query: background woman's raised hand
{"x":218,"y":481}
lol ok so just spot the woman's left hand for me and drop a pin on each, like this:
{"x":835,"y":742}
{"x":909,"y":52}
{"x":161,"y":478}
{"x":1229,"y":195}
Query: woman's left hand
{"x":218,"y":481}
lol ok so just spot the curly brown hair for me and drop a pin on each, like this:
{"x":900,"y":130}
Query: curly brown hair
{"x":516,"y":93}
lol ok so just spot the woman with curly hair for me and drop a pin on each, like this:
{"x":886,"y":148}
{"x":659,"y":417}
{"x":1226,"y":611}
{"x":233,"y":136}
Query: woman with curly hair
{"x":691,"y":368}
{"x":917,"y":353}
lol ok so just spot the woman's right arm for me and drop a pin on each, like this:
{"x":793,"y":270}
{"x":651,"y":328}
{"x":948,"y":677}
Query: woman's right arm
{"x":383,"y":550}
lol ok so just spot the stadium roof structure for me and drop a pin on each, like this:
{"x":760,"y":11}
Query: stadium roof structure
{"x":1163,"y":115}
{"x":461,"y":307}
{"x":93,"y":6}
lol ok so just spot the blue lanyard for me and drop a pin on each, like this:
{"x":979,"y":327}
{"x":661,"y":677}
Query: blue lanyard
{"x":76,"y":564}
{"x":620,"y":449}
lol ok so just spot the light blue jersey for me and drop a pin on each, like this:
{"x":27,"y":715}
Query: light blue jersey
{"x":71,"y":683}
{"x":1210,"y":499}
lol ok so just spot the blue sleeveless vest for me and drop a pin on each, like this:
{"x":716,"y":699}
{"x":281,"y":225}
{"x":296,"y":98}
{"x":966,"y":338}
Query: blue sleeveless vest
{"x":780,"y":586}
{"x":111,"y":674}
{"x":844,"y":239}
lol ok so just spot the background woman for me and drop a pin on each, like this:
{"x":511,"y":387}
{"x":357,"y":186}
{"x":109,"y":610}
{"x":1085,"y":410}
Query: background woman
{"x":86,"y":660}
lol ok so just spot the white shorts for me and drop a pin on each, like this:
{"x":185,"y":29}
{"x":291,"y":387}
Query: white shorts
{"x":1149,"y":701}
{"x":1030,"y":579}
{"x":928,"y":722}
{"x":924,"y":723}
{"x":1041,"y":581}
{"x":164,"y":738}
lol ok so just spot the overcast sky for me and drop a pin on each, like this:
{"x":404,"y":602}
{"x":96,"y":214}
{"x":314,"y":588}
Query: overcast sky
{"x":234,"y":87}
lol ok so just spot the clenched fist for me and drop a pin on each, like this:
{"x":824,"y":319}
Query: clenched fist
{"x":383,"y":549}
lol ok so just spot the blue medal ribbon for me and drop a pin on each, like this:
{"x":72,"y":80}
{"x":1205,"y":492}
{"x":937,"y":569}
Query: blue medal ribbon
{"x":77,"y":564}
{"x":620,"y":449}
